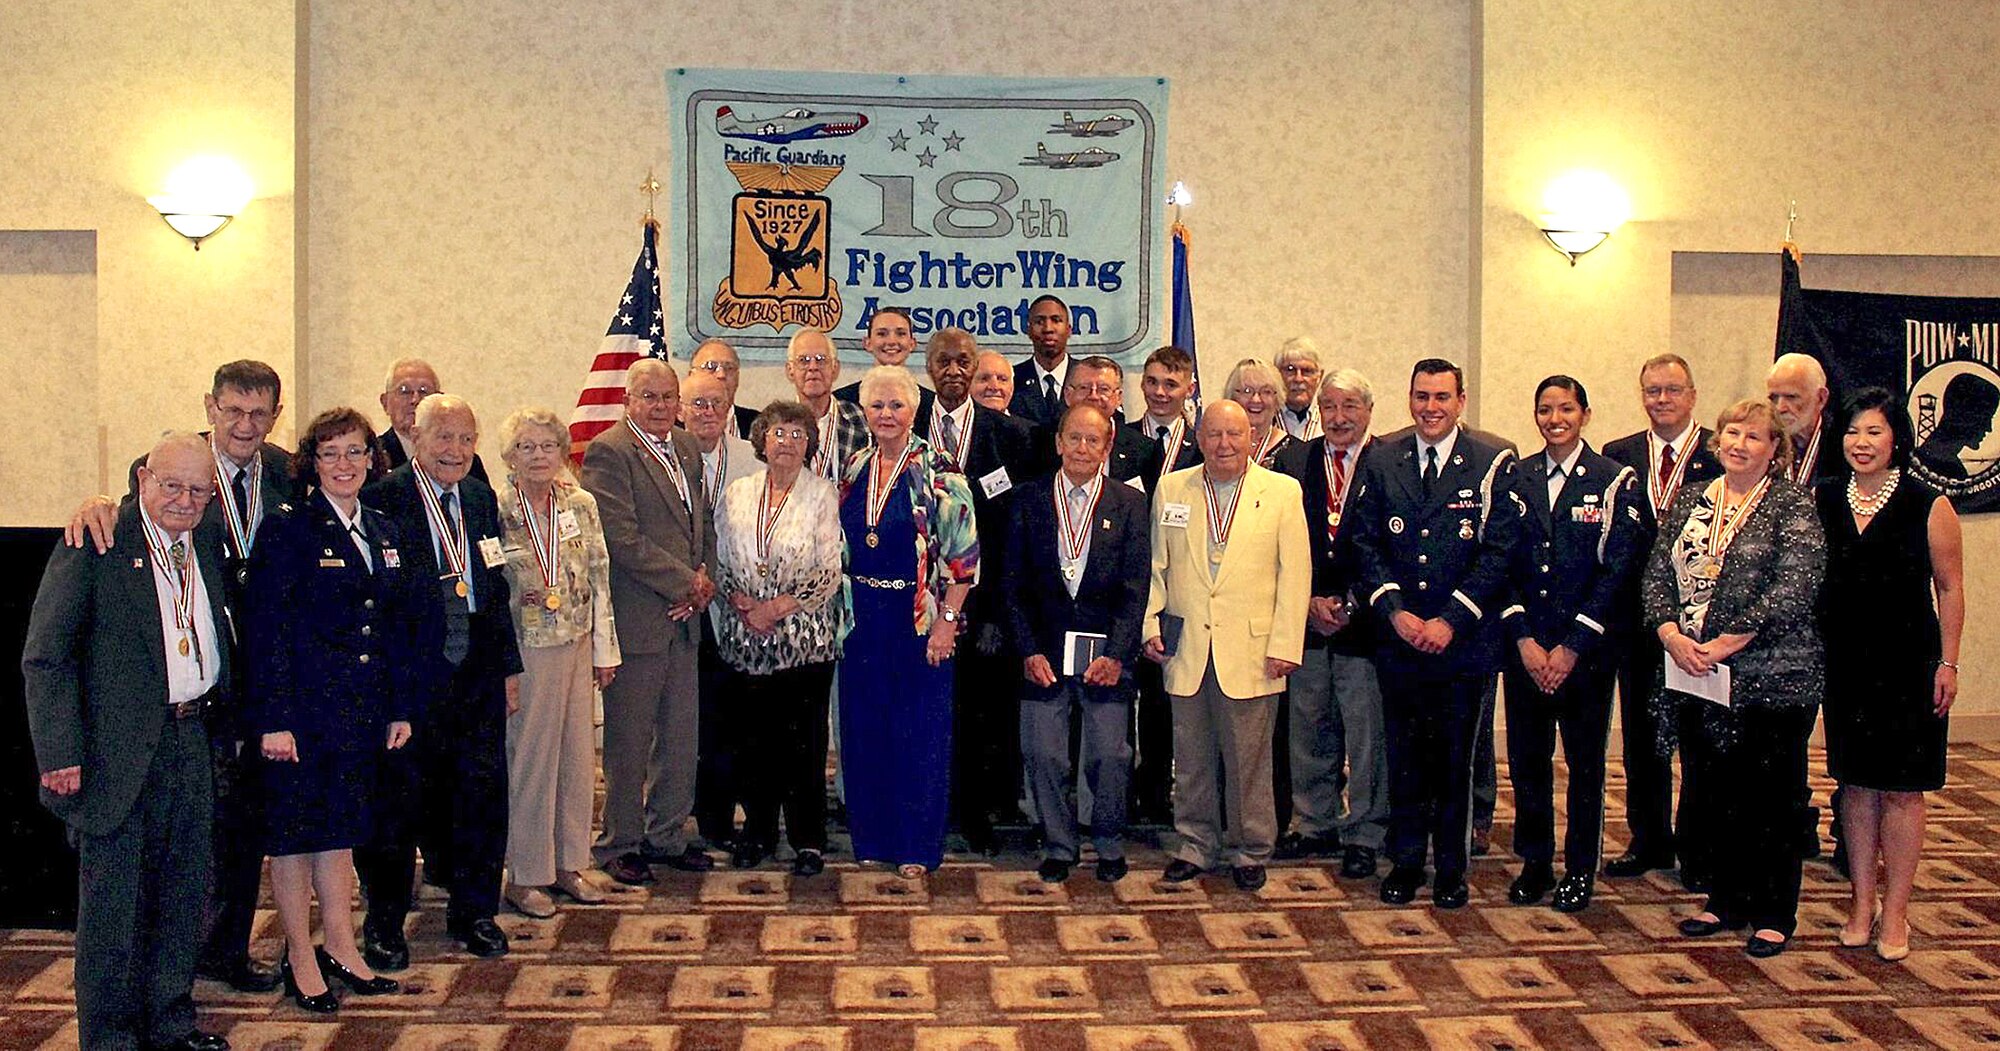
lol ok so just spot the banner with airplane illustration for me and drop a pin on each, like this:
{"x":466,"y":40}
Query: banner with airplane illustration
{"x":811,"y":199}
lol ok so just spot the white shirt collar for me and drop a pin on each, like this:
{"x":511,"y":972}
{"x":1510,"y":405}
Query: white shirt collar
{"x":1444,"y":447}
{"x":1568,"y":464}
{"x":1680,"y":441}
{"x":1061,"y":373}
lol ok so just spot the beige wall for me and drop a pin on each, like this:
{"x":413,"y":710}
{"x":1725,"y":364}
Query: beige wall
{"x":103,"y":100}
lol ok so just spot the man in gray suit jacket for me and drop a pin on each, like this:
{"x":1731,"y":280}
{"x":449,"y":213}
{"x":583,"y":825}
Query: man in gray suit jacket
{"x":646,"y":476}
{"x":126,"y":652}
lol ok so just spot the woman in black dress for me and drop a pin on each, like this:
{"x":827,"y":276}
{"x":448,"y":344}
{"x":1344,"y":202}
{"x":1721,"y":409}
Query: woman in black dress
{"x":1893,"y":547}
{"x":326,"y":646}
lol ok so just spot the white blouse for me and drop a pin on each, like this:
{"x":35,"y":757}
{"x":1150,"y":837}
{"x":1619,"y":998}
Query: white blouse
{"x":803,"y":561}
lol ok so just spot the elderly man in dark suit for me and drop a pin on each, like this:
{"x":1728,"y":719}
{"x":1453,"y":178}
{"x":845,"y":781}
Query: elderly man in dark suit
{"x":1081,"y":561}
{"x":252,"y":476}
{"x":1670,"y":453}
{"x":997,"y":454}
{"x":464,"y":636}
{"x":647,"y":478}
{"x":409,"y":382}
{"x":126,"y":652}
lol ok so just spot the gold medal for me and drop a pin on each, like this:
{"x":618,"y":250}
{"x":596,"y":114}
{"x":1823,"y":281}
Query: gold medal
{"x":763,"y":569}
{"x":461,"y":589}
{"x":553,"y":602}
{"x":1333,"y":519}
{"x":184,"y":646}
{"x":873,"y":540}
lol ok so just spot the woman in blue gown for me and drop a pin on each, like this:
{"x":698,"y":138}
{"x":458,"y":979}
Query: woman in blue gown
{"x":912,"y":555}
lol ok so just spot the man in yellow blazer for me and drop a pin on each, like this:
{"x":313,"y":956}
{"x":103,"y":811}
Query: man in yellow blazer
{"x":1232,"y":573}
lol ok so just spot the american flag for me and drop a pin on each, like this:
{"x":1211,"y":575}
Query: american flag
{"x":637,"y":328}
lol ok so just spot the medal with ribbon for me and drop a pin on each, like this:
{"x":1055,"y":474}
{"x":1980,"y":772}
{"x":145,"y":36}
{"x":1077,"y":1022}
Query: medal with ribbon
{"x":880,"y":484}
{"x":1272,"y":436}
{"x":1220,"y":521}
{"x":1664,"y":487}
{"x":1074,"y":536}
{"x":1728,"y":521}
{"x":823,"y":458}
{"x":668,"y":463}
{"x":1176,"y":436}
{"x":959,"y":449}
{"x":451,"y":539}
{"x":545,"y":542}
{"x":767,"y":523}
{"x":242,"y":521}
{"x":1802,"y":468}
{"x":1336,"y":488}
{"x":711,"y":482}
{"x":180,"y":586}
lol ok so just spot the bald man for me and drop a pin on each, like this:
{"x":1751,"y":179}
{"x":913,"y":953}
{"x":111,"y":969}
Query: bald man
{"x":1796,"y":385}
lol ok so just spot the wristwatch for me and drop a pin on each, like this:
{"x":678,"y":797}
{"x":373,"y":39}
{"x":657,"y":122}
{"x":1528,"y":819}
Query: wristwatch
{"x":950,"y":615}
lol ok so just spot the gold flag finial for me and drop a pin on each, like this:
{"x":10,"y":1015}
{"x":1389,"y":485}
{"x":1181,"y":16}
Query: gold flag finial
{"x":651,"y":188}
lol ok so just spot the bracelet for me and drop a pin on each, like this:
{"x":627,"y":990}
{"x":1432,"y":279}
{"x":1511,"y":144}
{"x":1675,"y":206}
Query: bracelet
{"x":1947,"y":664}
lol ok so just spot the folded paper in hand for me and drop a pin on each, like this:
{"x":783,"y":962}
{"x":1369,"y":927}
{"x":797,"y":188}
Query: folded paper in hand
{"x":1711,"y":687}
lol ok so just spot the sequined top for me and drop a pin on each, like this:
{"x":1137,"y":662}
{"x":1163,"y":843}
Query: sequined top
{"x":803,"y":561}
{"x":583,"y":579}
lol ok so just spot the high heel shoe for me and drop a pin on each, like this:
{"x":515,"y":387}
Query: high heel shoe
{"x":1893,"y":953}
{"x":376,"y":986}
{"x":321,"y":1004}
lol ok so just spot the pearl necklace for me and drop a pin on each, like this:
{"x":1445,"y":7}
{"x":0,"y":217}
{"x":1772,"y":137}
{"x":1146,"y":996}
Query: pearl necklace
{"x":1870,"y":506}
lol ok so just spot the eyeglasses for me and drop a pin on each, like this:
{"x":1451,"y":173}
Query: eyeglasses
{"x":232,"y":415}
{"x":708,"y":404}
{"x":418,"y":392}
{"x":1297,"y":369}
{"x":355,"y":453}
{"x":1256,"y":392}
{"x":716,"y":366}
{"x":786,"y":434}
{"x":529,"y":448}
{"x":1671,"y":392}
{"x":811,"y":359}
{"x":1099,"y":389}
{"x":175,"y":490}
{"x":652,"y":397}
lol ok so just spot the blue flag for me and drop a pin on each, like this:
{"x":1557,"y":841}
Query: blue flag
{"x":1183,"y":310}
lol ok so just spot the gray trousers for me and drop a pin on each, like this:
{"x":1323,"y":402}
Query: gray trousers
{"x":651,"y":722}
{"x":1214,"y":730}
{"x":1340,"y":776}
{"x":551,"y":765}
{"x":1106,"y":757}
{"x":140,"y":892}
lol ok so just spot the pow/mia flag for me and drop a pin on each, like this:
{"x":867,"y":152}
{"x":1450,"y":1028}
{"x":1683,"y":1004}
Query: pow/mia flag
{"x":1941,"y":353}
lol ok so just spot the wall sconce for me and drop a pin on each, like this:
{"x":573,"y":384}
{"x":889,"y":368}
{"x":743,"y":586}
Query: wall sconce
{"x":1582,"y":209}
{"x":203,"y":194}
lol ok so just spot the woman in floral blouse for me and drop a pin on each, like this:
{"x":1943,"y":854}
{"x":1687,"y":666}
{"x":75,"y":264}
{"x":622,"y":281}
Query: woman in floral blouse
{"x":559,"y":577}
{"x":777,"y":539}
{"x":912,"y":556}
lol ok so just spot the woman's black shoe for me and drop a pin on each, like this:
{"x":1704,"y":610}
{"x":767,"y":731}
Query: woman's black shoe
{"x":1700,"y":928}
{"x":376,"y":986}
{"x":1763,"y":948}
{"x":322,"y":1004}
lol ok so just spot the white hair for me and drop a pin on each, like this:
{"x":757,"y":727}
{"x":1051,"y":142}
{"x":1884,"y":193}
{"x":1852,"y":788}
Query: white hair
{"x":429,"y":408}
{"x":1299,"y":347}
{"x":1804,"y":364}
{"x":1352,"y":382}
{"x":889,"y":376}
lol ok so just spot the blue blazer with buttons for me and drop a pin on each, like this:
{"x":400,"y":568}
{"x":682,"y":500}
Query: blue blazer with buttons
{"x":1444,"y":555}
{"x":1575,"y":561}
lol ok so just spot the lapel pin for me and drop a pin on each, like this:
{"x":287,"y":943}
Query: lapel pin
{"x":138,"y":563}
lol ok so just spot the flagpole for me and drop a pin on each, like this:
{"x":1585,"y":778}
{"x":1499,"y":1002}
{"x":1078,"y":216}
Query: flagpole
{"x":1791,"y":246}
{"x":651,"y":188}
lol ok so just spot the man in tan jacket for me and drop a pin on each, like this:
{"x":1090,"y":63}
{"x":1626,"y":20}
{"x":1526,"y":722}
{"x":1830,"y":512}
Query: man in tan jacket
{"x":1232,"y":573}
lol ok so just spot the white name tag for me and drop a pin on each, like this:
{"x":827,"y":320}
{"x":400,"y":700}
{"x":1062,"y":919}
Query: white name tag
{"x":489,"y":551}
{"x":567,"y":527}
{"x":1175,"y":515}
{"x":996,"y":483}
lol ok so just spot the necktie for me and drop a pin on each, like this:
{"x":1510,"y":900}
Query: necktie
{"x":457,"y":627}
{"x":950,"y":438}
{"x":1430,"y":469}
{"x":1049,"y":396}
{"x":1666,"y":461}
{"x":241,"y":488}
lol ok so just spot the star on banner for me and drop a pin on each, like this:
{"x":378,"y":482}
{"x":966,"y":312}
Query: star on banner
{"x":1964,"y":340}
{"x":952,"y":140}
{"x":899,"y":141}
{"x":928,"y":125}
{"x":927,"y":159}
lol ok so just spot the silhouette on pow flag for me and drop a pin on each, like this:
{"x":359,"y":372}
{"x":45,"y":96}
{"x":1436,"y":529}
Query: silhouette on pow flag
{"x":786,"y":260}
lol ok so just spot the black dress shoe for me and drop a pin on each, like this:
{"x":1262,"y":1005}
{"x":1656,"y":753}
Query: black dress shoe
{"x":1248,"y":877}
{"x":384,"y":948}
{"x":195,"y":1040}
{"x":808,"y":863}
{"x":1054,"y":870}
{"x":1450,"y":893}
{"x":1763,"y":949}
{"x":1180,"y":870}
{"x":1358,"y":863}
{"x":1292,"y":846}
{"x":747,"y":855}
{"x":1110,"y":870}
{"x":629,"y":868}
{"x":323,"y":1003}
{"x":1400,"y":886}
{"x":481,"y":937}
{"x":1695,"y":927}
{"x":1628,"y":865}
{"x":242,"y":974}
{"x":334,"y":969}
{"x":1535,"y":880}
{"x":693,"y":859}
{"x":1573,"y":893}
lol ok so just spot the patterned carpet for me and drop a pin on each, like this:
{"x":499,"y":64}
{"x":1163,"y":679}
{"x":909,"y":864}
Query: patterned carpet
{"x":985,"y":956}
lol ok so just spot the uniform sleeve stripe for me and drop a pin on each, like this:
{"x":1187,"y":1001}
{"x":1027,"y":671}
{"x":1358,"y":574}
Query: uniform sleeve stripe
{"x":1383,"y":590}
{"x":1511,"y":611}
{"x":1591,"y":624}
{"x":1467,"y":603}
